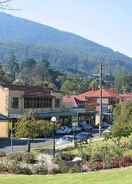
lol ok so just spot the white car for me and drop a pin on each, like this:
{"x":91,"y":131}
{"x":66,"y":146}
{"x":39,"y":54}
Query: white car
{"x":64,"y":130}
{"x":61,"y":141}
{"x":107,"y":131}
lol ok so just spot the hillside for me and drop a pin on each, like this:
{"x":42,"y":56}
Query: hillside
{"x":65,"y":51}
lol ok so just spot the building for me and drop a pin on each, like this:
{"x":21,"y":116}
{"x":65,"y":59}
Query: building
{"x":15,"y":101}
{"x":92,"y":99}
{"x":126,"y":97}
{"x":73,"y":102}
{"x":4,"y":126}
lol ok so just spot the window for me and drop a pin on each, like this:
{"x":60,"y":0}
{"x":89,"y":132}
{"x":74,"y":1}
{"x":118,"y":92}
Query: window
{"x":15,"y":102}
{"x":37,"y":102}
{"x":57,"y":103}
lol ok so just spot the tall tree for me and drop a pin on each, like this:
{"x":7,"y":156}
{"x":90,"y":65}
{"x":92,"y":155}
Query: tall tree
{"x":122,"y":120}
{"x":13,"y":67}
{"x":123,"y":82}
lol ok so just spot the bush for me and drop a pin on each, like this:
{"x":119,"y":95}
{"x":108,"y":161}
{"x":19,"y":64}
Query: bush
{"x":8,"y":166}
{"x":22,"y":157}
{"x":12,"y":166}
{"x":104,"y":152}
{"x":130,"y":142}
{"x":3,"y":166}
{"x":128,"y":153}
{"x":75,"y":168}
{"x":39,"y":169}
{"x":15,"y":156}
{"x":67,"y":166}
{"x":2,"y":154}
{"x":23,"y":169}
{"x":28,"y":158}
{"x":122,"y":120}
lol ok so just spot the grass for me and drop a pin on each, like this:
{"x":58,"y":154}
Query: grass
{"x":116,"y":176}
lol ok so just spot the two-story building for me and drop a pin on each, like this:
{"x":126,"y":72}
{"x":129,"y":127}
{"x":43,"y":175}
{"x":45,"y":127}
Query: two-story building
{"x":16,"y":101}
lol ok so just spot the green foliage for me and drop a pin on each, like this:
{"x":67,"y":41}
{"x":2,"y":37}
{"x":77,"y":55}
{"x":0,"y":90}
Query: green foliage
{"x":122,"y":120}
{"x":75,"y":85}
{"x":13,"y":67}
{"x":31,"y":128}
{"x":15,"y":156}
{"x":2,"y":154}
{"x":123,"y":82}
{"x":22,"y":157}
{"x":128,"y":154}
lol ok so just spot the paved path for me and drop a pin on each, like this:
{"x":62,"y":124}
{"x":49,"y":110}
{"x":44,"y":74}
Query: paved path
{"x":21,"y":144}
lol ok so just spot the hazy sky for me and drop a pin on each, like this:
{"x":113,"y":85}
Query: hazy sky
{"x":108,"y":22}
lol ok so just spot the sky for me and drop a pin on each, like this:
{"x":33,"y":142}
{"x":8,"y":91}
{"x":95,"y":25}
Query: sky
{"x":107,"y":22}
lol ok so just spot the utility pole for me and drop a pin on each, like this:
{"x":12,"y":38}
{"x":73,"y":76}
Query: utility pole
{"x":101,"y":95}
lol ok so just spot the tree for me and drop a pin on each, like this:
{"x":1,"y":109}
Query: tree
{"x":4,"y":78}
{"x":14,"y":67}
{"x":122,"y":120}
{"x":31,"y":128}
{"x":123,"y":82}
{"x":75,"y":85}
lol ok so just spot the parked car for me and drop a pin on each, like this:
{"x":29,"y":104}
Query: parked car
{"x":83,"y":136}
{"x":107,"y":131}
{"x":64,"y":130}
{"x":69,"y":138}
{"x":76,"y":129}
{"x":85,"y":126}
{"x":105,"y":125}
{"x":65,"y":139}
{"x":62,"y":141}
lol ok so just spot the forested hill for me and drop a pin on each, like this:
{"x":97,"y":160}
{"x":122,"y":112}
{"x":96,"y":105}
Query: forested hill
{"x":65,"y":51}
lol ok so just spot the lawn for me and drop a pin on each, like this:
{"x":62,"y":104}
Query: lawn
{"x":118,"y":176}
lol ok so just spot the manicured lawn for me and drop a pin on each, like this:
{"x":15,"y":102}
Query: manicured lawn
{"x":121,"y":176}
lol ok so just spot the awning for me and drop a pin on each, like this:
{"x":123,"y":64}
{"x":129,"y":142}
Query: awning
{"x":67,"y":112}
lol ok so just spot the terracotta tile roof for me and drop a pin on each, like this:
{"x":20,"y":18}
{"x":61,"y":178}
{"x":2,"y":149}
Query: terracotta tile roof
{"x":96,"y":93}
{"x":106,"y":93}
{"x":73,"y":100}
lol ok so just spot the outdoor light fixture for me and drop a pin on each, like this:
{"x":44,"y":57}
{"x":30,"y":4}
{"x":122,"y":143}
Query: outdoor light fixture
{"x":53,"y":119}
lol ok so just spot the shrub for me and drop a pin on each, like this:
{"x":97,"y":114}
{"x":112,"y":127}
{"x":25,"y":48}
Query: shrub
{"x":128,"y":153}
{"x":15,"y":156}
{"x":28,"y":158}
{"x":2,"y":154}
{"x":39,"y":169}
{"x":12,"y":167}
{"x":130,"y":142}
{"x":23,"y":169}
{"x":3,"y":166}
{"x":74,"y":168}
{"x":22,"y":157}
{"x":8,"y":166}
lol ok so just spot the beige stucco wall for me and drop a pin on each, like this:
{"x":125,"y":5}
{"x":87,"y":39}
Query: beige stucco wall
{"x":4,"y":100}
{"x":19,"y":94}
{"x":4,"y":130}
{"x":58,"y":96}
{"x":7,"y":95}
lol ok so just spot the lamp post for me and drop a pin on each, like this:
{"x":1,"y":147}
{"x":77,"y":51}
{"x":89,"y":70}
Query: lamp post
{"x":53,"y":119}
{"x":11,"y":137}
